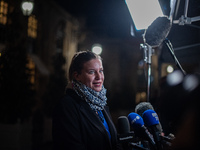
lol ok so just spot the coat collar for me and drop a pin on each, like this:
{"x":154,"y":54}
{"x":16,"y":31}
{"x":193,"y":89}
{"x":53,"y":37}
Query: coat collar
{"x":87,"y":112}
{"x":92,"y":117}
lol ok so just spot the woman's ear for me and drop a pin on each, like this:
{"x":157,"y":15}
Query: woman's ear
{"x":76,"y":76}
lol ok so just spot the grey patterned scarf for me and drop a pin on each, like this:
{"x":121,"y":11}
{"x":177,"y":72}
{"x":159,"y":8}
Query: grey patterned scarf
{"x":96,"y":100}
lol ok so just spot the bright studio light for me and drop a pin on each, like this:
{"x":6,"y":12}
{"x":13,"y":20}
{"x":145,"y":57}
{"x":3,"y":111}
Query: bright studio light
{"x":144,"y":12}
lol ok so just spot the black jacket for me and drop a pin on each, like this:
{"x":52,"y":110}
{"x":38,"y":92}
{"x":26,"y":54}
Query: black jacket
{"x":77,"y":127}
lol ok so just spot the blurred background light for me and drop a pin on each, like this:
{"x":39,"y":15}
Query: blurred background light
{"x":175,"y":78}
{"x":170,"y":69}
{"x":27,"y":7}
{"x":97,"y":49}
{"x":144,"y":12}
{"x":190,"y":82}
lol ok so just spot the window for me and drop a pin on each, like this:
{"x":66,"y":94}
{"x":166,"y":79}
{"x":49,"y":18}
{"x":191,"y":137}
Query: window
{"x":31,"y":67}
{"x":32,"y":27}
{"x":3,"y":12}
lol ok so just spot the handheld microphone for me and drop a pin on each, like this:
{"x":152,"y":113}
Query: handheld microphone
{"x":125,"y":135}
{"x":123,"y":125}
{"x":142,"y":107}
{"x":140,"y":130}
{"x":150,"y":118}
{"x":159,"y":29}
{"x":151,"y":121}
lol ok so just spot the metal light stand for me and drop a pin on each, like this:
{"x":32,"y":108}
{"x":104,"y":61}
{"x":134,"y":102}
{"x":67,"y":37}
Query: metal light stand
{"x":148,"y":51}
{"x":184,"y":19}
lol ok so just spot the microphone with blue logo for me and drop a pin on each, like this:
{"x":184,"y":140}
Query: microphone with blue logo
{"x":140,"y":130}
{"x":151,"y":121}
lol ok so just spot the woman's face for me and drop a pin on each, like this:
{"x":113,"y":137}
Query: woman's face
{"x":92,"y":74}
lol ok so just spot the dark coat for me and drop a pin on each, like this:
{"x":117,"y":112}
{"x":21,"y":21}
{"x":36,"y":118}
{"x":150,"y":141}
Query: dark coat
{"x":77,"y":127}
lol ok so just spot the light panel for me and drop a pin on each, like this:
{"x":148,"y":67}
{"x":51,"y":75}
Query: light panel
{"x":144,"y":12}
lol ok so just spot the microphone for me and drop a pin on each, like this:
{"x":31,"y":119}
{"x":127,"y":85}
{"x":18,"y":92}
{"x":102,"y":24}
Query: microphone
{"x":159,"y":29}
{"x":142,"y":107}
{"x":150,"y":118}
{"x":123,"y":125}
{"x":125,"y":135}
{"x":151,"y":121}
{"x":140,"y":130}
{"x":145,"y":108}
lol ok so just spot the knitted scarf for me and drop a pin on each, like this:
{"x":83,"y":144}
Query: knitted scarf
{"x":96,"y":100}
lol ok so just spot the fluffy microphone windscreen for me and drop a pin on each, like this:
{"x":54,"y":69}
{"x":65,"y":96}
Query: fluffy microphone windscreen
{"x":142,"y":107}
{"x":155,"y":34}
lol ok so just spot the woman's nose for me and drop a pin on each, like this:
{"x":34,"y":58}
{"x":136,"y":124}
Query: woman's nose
{"x":97,"y":75}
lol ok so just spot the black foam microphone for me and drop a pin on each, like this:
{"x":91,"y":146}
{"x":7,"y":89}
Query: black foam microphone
{"x":125,"y":136}
{"x":123,"y":125}
{"x":159,"y":29}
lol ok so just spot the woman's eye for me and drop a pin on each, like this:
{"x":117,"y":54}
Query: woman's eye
{"x":101,"y":71}
{"x":91,"y":72}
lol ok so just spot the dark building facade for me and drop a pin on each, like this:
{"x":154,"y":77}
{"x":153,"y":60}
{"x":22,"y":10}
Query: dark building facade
{"x":35,"y":51}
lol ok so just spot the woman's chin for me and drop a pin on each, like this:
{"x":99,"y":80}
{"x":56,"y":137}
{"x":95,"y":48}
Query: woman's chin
{"x":97,"y":89}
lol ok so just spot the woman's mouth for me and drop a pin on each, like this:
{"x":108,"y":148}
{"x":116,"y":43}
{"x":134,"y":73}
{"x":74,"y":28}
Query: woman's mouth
{"x":97,"y":84}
